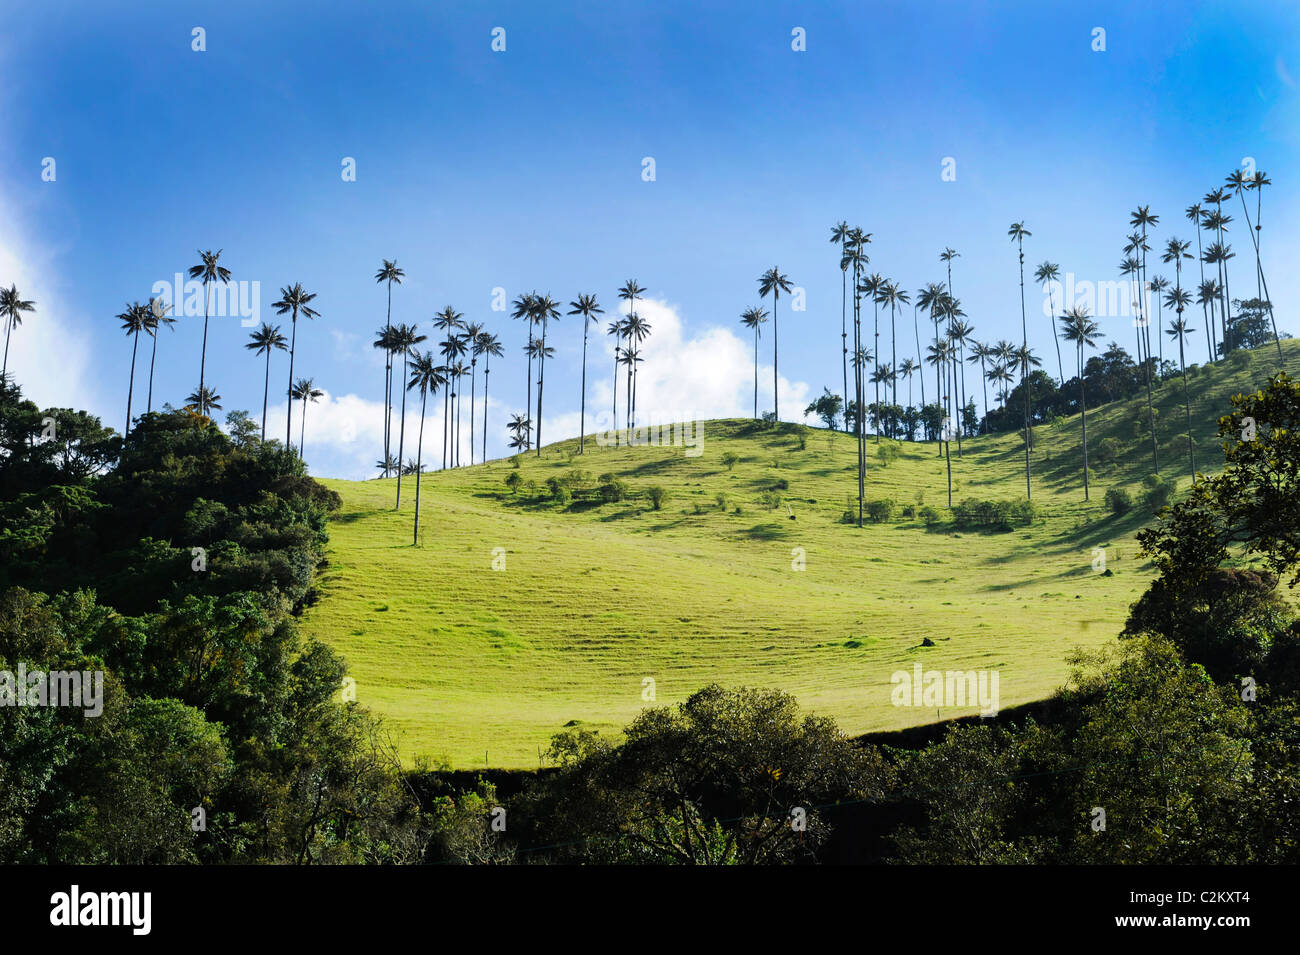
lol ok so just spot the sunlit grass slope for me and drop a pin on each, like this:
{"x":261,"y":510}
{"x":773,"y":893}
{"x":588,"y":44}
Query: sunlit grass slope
{"x":473,"y":666}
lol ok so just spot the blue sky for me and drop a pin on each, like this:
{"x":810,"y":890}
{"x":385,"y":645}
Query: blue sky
{"x":522,"y":170}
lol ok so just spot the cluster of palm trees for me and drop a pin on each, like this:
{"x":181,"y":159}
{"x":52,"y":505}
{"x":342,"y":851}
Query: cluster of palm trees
{"x":149,"y":318}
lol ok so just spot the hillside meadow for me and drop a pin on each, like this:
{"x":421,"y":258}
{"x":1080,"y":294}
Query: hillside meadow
{"x":473,"y":666}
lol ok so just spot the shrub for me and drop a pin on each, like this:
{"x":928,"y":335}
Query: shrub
{"x":612,"y":489}
{"x":1119,"y":501}
{"x":770,"y":499}
{"x":730,"y":459}
{"x":781,"y":484}
{"x":1106,"y":451}
{"x":930,"y":516}
{"x":513,"y":480}
{"x":722,"y":501}
{"x":562,"y":495}
{"x":887,"y":453}
{"x":909,"y":511}
{"x":972,"y":514}
{"x":514,"y":461}
{"x":657,"y":497}
{"x":1156,"y":492}
{"x":880,"y":511}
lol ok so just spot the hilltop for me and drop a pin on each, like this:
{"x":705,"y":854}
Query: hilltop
{"x":475,"y":666}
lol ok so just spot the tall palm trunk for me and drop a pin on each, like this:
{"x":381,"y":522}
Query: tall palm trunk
{"x":487,"y":367}
{"x":266,"y":392}
{"x":541,"y":382}
{"x":153,"y":355}
{"x":893,"y":355}
{"x":446,"y":404}
{"x":388,"y":379}
{"x":288,"y":418}
{"x":582,"y":413}
{"x":4,"y":368}
{"x":1200,"y":252}
{"x":1056,"y":337}
{"x":1261,"y":286}
{"x":302,"y":430}
{"x":615,"y":408}
{"x":1083,"y":412}
{"x":401,"y":435}
{"x":529,"y":414}
{"x":473,"y":370}
{"x":419,"y":461}
{"x":1187,"y":403}
{"x":1024,"y":366}
{"x":875,"y":309}
{"x":844,"y":335}
{"x":130,"y":388}
{"x":776,"y":355}
{"x":756,"y":370}
{"x":203,"y":356}
{"x":920,"y":359}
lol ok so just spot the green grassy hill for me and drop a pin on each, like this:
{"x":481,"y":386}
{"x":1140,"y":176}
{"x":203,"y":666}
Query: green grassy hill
{"x":472,"y":665}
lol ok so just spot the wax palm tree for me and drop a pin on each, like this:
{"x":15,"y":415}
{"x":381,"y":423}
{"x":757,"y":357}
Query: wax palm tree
{"x":1194,"y":213}
{"x":629,"y":360}
{"x":871,"y":286}
{"x":952,"y":310}
{"x":547,"y":309}
{"x":208,"y":271}
{"x":1082,"y":331}
{"x":1046,"y":274}
{"x":1142,"y":218}
{"x":941,"y":356}
{"x":1208,"y":294}
{"x":134,"y":321}
{"x":386,"y":465}
{"x":1158,"y":284}
{"x":931,"y":298}
{"x":906,"y":370}
{"x":893,"y":296}
{"x":385,"y":342}
{"x":449,"y":322}
{"x":981,"y":353}
{"x":472,"y":332}
{"x":916,"y":331}
{"x":1218,"y":221}
{"x":158,"y":319}
{"x":962,"y":333}
{"x":773,"y":282}
{"x":589,"y":309}
{"x":637,"y":330}
{"x":754,"y":318}
{"x":1175,"y":253}
{"x":1018,"y":234}
{"x":427,"y":375}
{"x":1132,"y":265}
{"x":1257,"y":182}
{"x":390,"y":274}
{"x":405,"y":338}
{"x":1179,"y":299}
{"x":840,"y":235}
{"x":861,"y":359}
{"x":205,"y":399}
{"x":12,"y":306}
{"x":1002,"y":376}
{"x":305,"y":392}
{"x":855,"y":257}
{"x":519,"y":427}
{"x":262,"y":342}
{"x":628,"y":293}
{"x":615,"y":328}
{"x":525,"y":310}
{"x":1218,"y":254}
{"x":457,"y":373}
{"x":489,"y":346}
{"x":295,"y":299}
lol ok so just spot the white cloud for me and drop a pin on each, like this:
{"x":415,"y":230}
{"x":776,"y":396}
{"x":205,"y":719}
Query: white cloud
{"x":50,"y":353}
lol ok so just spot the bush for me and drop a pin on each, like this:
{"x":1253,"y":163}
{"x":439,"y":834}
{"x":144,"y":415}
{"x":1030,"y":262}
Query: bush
{"x":657,"y":497}
{"x":1106,"y":451}
{"x":514,"y":461}
{"x":730,"y":459}
{"x":887,"y":453}
{"x":1119,"y":501}
{"x":1156,"y":492}
{"x":880,"y":511}
{"x":612,"y":489}
{"x":972,"y":514}
{"x":770,"y":499}
{"x":930,"y":516}
{"x":909,"y":511}
{"x":562,"y":495}
{"x":722,"y":501}
{"x":513,"y":480}
{"x":781,"y":484}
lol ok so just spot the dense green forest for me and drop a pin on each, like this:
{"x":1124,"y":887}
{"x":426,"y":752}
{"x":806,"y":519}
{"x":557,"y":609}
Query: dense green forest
{"x":176,"y":561}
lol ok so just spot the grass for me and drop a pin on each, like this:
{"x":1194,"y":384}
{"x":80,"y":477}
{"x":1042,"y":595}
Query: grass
{"x":473,"y":666}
